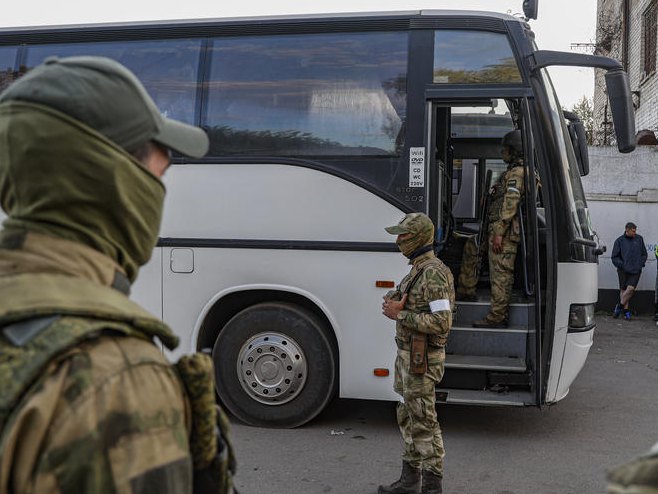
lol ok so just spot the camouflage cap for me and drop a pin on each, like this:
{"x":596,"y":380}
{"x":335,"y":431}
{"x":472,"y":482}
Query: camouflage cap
{"x":109,"y":98}
{"x":415,"y":223}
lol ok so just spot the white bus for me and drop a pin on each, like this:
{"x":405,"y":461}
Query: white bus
{"x":324,"y":129}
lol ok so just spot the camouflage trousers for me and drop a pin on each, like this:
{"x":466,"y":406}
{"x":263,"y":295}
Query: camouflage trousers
{"x":470,"y":266}
{"x":501,"y":274}
{"x":416,"y":411}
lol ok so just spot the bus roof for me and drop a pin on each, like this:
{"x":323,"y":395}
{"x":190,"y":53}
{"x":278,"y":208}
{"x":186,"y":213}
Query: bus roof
{"x":265,"y":19}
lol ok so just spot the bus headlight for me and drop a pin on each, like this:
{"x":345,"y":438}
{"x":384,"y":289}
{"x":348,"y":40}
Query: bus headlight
{"x":581,"y":317}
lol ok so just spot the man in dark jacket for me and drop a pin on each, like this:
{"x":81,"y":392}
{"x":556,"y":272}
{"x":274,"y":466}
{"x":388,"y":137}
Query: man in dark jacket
{"x":629,"y":255}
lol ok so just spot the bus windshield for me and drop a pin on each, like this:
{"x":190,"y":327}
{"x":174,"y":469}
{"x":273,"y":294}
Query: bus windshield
{"x":580,"y":224}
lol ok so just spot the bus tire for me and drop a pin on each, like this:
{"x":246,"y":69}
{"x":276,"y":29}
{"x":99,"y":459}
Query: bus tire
{"x":274,"y":365}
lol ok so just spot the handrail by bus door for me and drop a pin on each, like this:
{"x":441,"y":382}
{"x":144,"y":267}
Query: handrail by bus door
{"x":527,"y":288}
{"x":531,"y":192}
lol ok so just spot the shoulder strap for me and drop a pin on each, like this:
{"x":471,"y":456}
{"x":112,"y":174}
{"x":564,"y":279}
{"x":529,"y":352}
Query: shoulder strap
{"x":28,"y":347}
{"x":421,"y":269}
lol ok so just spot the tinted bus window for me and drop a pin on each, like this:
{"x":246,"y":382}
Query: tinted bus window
{"x":323,"y":95}
{"x":472,"y":57}
{"x":168,"y":69}
{"x":7,"y":63}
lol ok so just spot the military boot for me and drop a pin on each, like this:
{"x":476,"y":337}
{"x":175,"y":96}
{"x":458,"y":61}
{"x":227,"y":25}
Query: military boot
{"x":409,"y":482}
{"x":431,"y":483}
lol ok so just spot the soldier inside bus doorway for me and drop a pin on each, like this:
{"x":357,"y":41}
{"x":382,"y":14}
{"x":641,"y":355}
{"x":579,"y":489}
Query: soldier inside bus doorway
{"x":502,"y":238}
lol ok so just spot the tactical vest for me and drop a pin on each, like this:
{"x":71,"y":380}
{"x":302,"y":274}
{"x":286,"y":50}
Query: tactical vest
{"x":43,"y":316}
{"x":497,"y":196}
{"x":406,"y":285}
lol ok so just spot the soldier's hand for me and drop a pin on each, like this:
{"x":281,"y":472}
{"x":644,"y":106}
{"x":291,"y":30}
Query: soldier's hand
{"x":391,"y":308}
{"x":497,"y":243}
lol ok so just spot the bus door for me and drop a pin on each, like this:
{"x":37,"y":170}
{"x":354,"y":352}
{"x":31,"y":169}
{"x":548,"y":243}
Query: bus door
{"x":464,"y":160}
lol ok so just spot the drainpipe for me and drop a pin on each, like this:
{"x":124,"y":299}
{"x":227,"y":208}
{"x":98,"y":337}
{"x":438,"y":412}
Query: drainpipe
{"x":627,"y":29}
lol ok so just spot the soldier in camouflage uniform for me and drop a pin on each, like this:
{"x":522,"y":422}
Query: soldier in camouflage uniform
{"x":640,"y":476}
{"x":89,"y":403}
{"x":502,"y":238}
{"x":422,"y":303}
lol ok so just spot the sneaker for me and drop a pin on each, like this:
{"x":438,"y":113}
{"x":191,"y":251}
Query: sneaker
{"x":627,"y":315}
{"x":617,"y":311}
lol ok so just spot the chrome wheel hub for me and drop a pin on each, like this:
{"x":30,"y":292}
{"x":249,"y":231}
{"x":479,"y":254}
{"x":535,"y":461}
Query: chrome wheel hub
{"x":271,"y":368}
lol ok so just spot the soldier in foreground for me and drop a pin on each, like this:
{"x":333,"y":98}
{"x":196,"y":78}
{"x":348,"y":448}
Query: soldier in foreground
{"x":89,"y":403}
{"x":502,"y":239}
{"x":422,"y":308}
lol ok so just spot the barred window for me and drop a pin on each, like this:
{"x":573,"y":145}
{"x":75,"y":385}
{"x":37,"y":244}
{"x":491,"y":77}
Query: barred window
{"x":650,"y":34}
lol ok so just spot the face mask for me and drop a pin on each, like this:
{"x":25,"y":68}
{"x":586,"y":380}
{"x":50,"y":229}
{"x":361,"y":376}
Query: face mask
{"x":411,"y":244}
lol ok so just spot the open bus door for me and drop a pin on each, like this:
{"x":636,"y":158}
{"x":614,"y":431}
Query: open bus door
{"x":483,"y":366}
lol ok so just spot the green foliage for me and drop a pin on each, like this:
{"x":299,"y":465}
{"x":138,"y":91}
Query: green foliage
{"x":585,"y":111}
{"x":497,"y":73}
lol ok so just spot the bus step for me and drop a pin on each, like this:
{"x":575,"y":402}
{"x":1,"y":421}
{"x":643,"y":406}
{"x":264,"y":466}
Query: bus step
{"x":491,"y":342}
{"x":520,"y":313}
{"x":483,"y":397}
{"x":478,"y":362}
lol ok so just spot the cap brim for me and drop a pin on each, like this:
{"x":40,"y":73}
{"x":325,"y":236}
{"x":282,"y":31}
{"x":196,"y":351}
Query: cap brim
{"x":183,"y":138}
{"x":396,"y":230}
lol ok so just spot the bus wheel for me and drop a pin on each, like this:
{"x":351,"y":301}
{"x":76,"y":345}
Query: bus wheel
{"x":274,"y":365}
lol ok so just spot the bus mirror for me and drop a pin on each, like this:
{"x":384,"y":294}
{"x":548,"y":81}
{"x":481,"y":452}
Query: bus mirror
{"x":616,"y":80}
{"x":619,"y":94}
{"x":579,"y":140}
{"x":530,"y":8}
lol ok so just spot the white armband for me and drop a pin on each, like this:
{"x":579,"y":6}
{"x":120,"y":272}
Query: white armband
{"x":439,"y":305}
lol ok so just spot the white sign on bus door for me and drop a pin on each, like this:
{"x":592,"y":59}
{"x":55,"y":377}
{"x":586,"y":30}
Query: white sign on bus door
{"x":417,"y":167}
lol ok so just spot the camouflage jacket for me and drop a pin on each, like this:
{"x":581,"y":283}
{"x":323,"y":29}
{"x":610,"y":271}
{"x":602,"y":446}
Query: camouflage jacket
{"x":640,"y":476}
{"x":506,"y":195}
{"x":108,"y":413}
{"x":430,"y":301}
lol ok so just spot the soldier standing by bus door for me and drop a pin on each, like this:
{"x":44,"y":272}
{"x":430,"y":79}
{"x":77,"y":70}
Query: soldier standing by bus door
{"x":502,"y":239}
{"x":422,"y":307}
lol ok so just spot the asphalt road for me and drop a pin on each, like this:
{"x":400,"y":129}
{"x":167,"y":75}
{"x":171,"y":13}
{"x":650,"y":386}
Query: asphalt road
{"x":609,"y":416}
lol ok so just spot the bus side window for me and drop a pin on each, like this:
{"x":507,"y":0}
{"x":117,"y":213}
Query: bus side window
{"x":167,"y":68}
{"x":328,"y":95}
{"x":7,"y":65}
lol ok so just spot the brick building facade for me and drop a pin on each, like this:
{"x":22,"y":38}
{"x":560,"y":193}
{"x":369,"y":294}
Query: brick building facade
{"x":627,"y":30}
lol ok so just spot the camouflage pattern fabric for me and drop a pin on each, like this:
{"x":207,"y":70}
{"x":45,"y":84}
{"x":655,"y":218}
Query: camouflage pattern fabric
{"x":90,"y":404}
{"x":212,"y":453}
{"x":505,"y":199}
{"x":506,"y":195}
{"x":469,"y":269}
{"x":108,"y":416}
{"x":436,"y":283}
{"x":416,"y":412}
{"x":196,"y":371}
{"x":501,"y":275}
{"x":640,"y":476}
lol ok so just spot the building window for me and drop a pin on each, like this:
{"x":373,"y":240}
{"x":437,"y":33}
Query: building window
{"x":650,"y":34}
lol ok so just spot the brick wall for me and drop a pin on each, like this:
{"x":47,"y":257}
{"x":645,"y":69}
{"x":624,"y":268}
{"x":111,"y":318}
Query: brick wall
{"x":646,"y":113}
